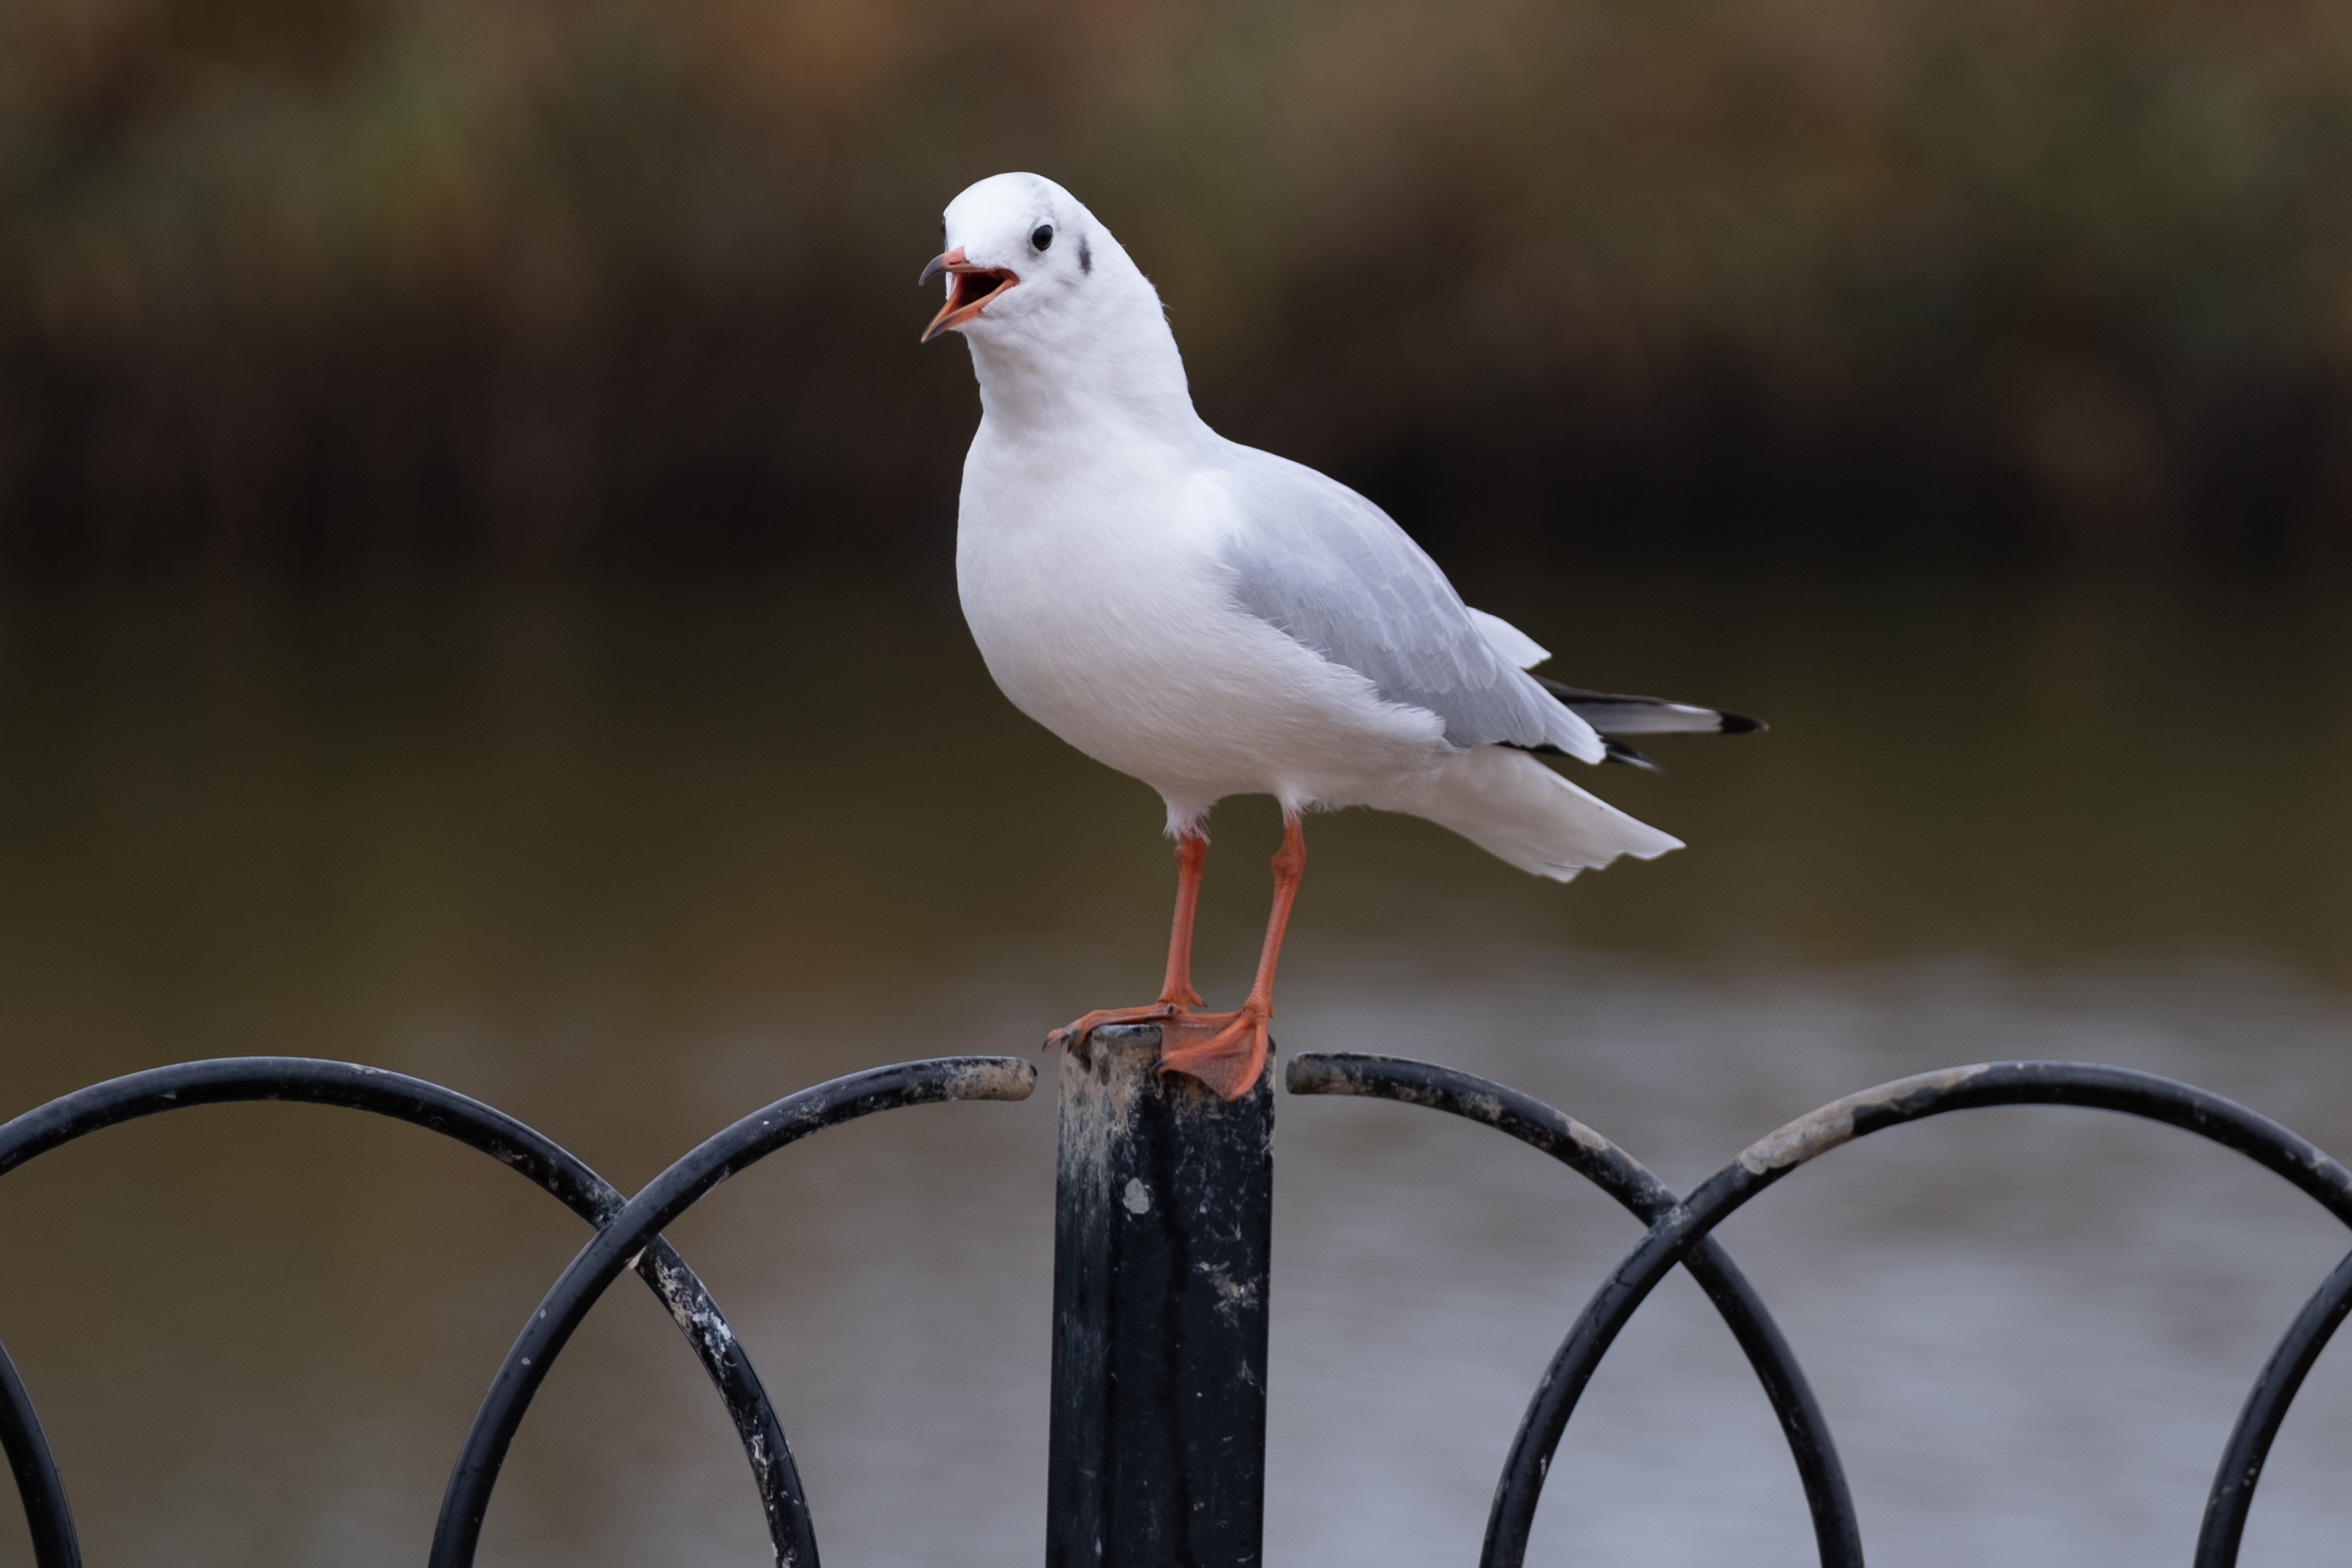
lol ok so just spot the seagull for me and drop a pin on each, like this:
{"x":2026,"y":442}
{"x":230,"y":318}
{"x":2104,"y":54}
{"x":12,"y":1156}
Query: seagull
{"x":1216,"y":620}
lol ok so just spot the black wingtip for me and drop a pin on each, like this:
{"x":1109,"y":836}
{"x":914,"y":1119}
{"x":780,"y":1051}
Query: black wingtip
{"x":1739,"y":724}
{"x":1618,"y":751}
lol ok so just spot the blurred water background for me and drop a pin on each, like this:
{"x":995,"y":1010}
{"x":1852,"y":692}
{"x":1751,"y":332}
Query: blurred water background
{"x":629,"y":863}
{"x":474,"y":534}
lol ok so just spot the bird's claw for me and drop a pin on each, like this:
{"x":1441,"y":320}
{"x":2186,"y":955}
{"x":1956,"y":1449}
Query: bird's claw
{"x":1075,"y":1032}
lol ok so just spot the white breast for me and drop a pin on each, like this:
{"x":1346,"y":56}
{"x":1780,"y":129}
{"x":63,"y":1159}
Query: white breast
{"x":1092,"y":582}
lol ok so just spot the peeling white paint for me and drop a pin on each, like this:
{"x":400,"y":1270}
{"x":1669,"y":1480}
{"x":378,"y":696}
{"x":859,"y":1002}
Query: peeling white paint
{"x":1232,"y":1294}
{"x":1101,"y":1083}
{"x":1818,"y":1132}
{"x":995,"y":1081}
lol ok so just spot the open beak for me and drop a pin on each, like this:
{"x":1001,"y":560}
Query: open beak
{"x":970,"y":288}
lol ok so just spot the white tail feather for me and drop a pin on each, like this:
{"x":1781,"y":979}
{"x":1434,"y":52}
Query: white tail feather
{"x":1513,"y":806}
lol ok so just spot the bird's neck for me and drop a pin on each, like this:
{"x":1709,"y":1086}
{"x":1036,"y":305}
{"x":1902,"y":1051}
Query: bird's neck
{"x":1118,"y":378}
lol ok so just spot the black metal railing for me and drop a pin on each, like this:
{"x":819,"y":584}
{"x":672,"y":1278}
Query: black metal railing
{"x":1161,"y":1252}
{"x":626,"y":1236}
{"x":1680,"y":1233}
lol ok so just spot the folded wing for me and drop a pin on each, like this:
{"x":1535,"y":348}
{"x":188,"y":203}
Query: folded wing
{"x":1324,"y":565}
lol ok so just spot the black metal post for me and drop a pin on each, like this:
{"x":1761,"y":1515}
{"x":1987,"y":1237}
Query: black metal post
{"x":1162,"y":1232}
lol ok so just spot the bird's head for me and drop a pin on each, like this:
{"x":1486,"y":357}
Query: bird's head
{"x":1052,"y":305}
{"x":1018,"y":247}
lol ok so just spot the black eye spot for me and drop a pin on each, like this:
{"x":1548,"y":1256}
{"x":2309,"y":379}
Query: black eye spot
{"x":1041,"y":236}
{"x":1085,"y":255}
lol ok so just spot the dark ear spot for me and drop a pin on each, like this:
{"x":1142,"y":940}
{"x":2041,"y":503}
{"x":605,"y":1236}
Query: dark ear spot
{"x":1085,"y":255}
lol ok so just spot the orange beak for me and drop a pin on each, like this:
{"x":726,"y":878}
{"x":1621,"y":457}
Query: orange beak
{"x":970,"y":288}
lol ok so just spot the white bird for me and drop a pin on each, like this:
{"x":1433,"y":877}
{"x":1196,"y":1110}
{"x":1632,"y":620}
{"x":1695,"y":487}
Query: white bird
{"x":1217,"y":621}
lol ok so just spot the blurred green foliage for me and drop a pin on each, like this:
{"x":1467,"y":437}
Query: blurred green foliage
{"x":394,"y":282}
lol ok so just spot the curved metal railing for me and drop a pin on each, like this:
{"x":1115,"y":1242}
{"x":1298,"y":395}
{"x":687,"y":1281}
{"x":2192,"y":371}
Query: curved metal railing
{"x":1678,"y":1234}
{"x":530,"y":1154}
{"x":1650,"y":1200}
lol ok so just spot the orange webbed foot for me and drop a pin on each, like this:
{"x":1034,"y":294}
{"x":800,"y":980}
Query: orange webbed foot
{"x":1224,"y":1050}
{"x":1175,"y":1004}
{"x":1076,"y":1031}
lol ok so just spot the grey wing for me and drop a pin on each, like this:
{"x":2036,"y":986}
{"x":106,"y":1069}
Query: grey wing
{"x":1331,"y":570}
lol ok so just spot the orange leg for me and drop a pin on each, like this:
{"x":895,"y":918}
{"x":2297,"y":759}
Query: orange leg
{"x":1191,"y":860}
{"x":1224,"y":1050}
{"x":1176,"y":994}
{"x":1230,"y":1060}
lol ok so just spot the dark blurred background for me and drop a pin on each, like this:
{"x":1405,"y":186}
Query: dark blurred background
{"x":391,"y":285}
